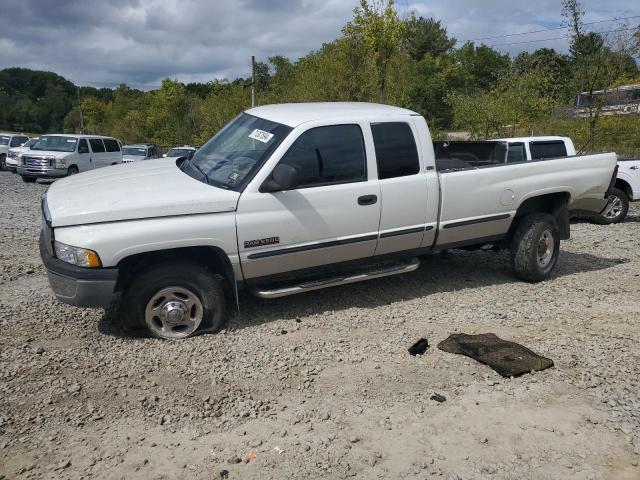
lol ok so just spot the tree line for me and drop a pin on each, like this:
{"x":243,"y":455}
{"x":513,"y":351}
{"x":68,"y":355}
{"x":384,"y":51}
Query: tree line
{"x":379,"y":57}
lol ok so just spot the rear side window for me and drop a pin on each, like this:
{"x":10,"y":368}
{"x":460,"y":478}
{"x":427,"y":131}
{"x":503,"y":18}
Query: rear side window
{"x":396,"y":151}
{"x":328,"y":155}
{"x":111,"y":145}
{"x":96,"y":145}
{"x":82,"y":146}
{"x":516,"y":153}
{"x":550,"y":149}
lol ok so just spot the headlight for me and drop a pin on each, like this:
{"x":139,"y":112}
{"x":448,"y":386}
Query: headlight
{"x":77,"y":256}
{"x":12,"y":155}
{"x":60,"y":163}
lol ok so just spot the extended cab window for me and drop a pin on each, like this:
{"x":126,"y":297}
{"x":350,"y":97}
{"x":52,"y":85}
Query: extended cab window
{"x":328,"y":155}
{"x":396,"y":151}
{"x":111,"y":145}
{"x":96,"y":145}
{"x":516,"y":153}
{"x":549,"y":149}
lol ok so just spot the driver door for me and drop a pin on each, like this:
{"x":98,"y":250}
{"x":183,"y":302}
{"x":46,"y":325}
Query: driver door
{"x":331,"y":215}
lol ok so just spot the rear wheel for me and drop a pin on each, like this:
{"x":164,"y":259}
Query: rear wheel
{"x":174,"y":301}
{"x":534,"y":247}
{"x":616,"y":210}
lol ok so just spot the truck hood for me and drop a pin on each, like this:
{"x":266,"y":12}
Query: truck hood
{"x":47,"y":153}
{"x":133,"y":191}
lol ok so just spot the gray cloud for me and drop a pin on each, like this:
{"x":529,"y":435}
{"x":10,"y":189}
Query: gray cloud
{"x":139,"y":42}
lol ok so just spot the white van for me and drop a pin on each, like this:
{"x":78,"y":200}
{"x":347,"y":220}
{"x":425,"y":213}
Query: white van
{"x":7,"y":141}
{"x":54,"y":156}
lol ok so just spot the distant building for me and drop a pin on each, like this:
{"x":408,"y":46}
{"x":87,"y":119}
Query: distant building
{"x":623,"y":100}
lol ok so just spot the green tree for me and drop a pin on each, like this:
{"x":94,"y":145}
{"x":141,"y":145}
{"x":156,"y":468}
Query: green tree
{"x":485,"y":64}
{"x":378,"y":27}
{"x":426,"y":36}
{"x":435,"y":77}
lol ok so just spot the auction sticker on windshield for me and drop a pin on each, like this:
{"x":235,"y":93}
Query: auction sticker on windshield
{"x":261,"y":135}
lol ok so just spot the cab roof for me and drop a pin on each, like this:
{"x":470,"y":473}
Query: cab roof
{"x":294,"y":114}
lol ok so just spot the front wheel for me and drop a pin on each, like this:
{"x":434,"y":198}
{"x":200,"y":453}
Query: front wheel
{"x":3,"y":162}
{"x":616,"y":210}
{"x":29,"y":179}
{"x":534,"y":247}
{"x":174,"y":301}
{"x":72,"y":171}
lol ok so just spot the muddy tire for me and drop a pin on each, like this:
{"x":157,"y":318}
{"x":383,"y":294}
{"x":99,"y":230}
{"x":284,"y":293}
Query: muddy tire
{"x":173,"y":301}
{"x":535,"y":245}
{"x":616,"y":210}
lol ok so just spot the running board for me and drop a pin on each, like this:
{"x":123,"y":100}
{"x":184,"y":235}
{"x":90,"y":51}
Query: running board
{"x":396,"y":269}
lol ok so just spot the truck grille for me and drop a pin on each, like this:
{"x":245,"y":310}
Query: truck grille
{"x":36,"y":162}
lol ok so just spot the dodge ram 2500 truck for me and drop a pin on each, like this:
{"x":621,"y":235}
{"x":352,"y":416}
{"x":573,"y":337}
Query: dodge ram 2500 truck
{"x":292,"y":198}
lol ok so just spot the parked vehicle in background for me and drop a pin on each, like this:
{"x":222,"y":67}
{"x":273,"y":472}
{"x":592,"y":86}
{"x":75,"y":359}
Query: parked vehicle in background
{"x":292,"y":198}
{"x":139,"y":151}
{"x":464,"y":154}
{"x":13,"y":156}
{"x":7,"y":141}
{"x":520,"y":149}
{"x":626,"y":189}
{"x":60,"y":155}
{"x":177,"y":152}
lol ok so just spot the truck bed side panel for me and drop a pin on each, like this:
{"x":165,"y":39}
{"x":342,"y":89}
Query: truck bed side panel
{"x":481,"y":203}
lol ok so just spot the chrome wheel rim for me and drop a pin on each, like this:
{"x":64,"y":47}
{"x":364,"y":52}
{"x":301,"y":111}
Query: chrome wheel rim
{"x":173,"y":312}
{"x":546,"y":246}
{"x":614,"y":208}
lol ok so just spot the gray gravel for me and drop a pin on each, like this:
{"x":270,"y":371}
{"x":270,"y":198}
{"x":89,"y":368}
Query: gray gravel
{"x":321,"y":385}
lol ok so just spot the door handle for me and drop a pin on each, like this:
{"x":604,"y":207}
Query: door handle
{"x":633,"y":168}
{"x":367,"y":200}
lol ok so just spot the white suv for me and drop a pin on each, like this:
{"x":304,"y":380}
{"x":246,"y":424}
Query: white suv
{"x":54,"y":156}
{"x":7,"y":141}
{"x":139,"y":151}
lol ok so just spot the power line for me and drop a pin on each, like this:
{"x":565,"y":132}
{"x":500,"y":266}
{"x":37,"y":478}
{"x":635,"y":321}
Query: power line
{"x":553,"y":38}
{"x":547,"y":29}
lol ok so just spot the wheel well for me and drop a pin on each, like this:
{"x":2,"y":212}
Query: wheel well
{"x":624,"y":186}
{"x":213,"y":258}
{"x":554,"y":204}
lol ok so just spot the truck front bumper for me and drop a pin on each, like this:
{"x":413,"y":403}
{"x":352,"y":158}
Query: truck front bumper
{"x":41,"y":172}
{"x":79,"y":286}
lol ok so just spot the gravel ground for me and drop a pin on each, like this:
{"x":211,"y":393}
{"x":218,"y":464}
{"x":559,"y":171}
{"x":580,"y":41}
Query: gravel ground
{"x":321,"y":385}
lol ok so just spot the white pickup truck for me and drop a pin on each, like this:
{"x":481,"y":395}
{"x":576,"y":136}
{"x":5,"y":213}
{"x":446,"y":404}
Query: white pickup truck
{"x":292,"y":198}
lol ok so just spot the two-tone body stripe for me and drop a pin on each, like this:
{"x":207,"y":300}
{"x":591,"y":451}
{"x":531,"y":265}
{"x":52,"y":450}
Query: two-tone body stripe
{"x":477,"y":220}
{"x":406,"y":231}
{"x":314,"y":246}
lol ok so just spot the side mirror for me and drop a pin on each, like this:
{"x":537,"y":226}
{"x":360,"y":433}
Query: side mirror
{"x":283,"y":177}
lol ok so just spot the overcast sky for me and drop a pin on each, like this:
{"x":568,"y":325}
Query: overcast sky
{"x":139,"y":42}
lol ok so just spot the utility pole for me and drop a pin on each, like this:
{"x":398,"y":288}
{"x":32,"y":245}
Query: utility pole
{"x":80,"y":110}
{"x":253,"y":80}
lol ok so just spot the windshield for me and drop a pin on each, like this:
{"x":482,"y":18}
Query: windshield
{"x":235,"y":153}
{"x":179,"y":152}
{"x":56,"y":144}
{"x":4,"y":140}
{"x":140,"y":151}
